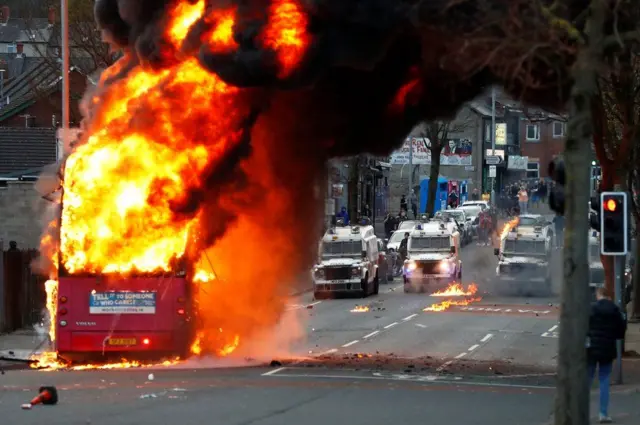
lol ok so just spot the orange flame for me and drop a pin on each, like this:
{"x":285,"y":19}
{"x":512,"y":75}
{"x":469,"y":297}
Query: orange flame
{"x":360,"y":309}
{"x":286,"y":33}
{"x":151,"y":137}
{"x":445,"y":305}
{"x":51,"y":289}
{"x":454,"y":290}
{"x":508,"y":227}
{"x":183,"y":17}
{"x":221,"y":37}
{"x":457,"y":290}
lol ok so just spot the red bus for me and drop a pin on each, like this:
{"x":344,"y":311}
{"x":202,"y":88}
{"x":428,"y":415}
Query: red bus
{"x":141,"y":317}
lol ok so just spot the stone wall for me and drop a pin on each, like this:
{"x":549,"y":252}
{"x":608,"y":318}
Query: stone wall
{"x":21,"y":214}
{"x":471,"y":124}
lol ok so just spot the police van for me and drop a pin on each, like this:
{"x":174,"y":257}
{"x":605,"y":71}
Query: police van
{"x":524,"y":256}
{"x":433,"y":256}
{"x":348,"y":262}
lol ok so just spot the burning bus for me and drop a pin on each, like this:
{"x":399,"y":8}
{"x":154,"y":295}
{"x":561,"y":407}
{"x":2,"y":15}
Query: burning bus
{"x":140,"y":316}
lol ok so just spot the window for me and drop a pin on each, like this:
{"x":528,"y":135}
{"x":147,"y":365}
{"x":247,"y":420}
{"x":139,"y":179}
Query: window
{"x":558,"y":129}
{"x":12,"y":48}
{"x":533,"y":170}
{"x":533,"y":132}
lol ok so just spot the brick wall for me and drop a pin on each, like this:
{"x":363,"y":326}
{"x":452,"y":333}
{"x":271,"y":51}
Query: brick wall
{"x":399,"y":177}
{"x":21,"y":214}
{"x":545,"y":147}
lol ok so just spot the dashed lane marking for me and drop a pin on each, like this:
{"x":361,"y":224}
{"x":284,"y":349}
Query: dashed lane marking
{"x":461,"y":355}
{"x":371,"y":334}
{"x":390,"y":325}
{"x":349,"y":344}
{"x":274,"y":371}
{"x":409,"y":317}
{"x":473,"y":347}
{"x":324,"y":353}
{"x":551,"y":333}
{"x":420,"y":325}
{"x":486,"y":338}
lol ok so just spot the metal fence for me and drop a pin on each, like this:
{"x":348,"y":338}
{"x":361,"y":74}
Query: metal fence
{"x":22,"y":294}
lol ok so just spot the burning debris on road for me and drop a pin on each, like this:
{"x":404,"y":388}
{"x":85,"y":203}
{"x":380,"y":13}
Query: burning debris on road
{"x":360,"y":309}
{"x":454,"y":290}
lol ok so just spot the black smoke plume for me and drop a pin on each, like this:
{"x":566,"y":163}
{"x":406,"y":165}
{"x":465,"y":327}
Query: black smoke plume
{"x":361,"y":54}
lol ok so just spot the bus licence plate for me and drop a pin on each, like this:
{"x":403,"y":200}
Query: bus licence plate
{"x":122,"y":341}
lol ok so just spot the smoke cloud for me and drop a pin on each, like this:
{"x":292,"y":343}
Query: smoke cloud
{"x":309,"y":80}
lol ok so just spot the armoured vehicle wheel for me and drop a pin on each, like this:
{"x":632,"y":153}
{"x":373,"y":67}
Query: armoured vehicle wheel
{"x":376,"y":285}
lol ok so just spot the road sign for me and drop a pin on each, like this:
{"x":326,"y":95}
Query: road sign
{"x":493,"y":160}
{"x":492,"y":171}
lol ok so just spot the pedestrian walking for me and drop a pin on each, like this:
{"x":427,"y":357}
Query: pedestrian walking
{"x":403,"y":203}
{"x":607,"y":324}
{"x":414,"y":204}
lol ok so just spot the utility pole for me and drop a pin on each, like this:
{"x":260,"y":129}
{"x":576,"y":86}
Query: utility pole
{"x":572,"y":396}
{"x":64,"y":42}
{"x":410,"y":171}
{"x":493,"y":141}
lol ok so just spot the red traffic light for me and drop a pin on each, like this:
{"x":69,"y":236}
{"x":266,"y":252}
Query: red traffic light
{"x":610,"y":205}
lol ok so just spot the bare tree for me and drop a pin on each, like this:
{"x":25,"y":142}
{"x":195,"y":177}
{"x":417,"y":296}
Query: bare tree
{"x":438,"y":133}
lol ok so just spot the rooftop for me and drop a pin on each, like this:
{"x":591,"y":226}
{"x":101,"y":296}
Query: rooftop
{"x":26,"y":150}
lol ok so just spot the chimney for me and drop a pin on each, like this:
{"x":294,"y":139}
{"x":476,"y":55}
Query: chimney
{"x":19,"y":48}
{"x":5,"y":13}
{"x":52,"y":16}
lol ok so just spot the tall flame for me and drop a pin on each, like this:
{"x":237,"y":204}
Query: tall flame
{"x":152,"y":138}
{"x":508,"y":226}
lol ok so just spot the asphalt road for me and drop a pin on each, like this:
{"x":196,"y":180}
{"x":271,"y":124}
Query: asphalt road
{"x":520,"y":332}
{"x":486,"y":363}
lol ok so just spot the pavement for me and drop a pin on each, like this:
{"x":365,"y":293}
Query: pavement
{"x":392,"y":363}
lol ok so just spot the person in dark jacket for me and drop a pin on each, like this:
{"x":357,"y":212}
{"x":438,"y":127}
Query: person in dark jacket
{"x":607,"y":324}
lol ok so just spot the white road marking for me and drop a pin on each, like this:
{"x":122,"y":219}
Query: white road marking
{"x":371,"y":334}
{"x":333,"y":350}
{"x":394,"y":378}
{"x":390,"y":325}
{"x":486,"y":338}
{"x":409,"y":317}
{"x":444,"y":365}
{"x":551,"y":333}
{"x":420,"y":325}
{"x":349,"y":344}
{"x":315,"y":303}
{"x":461,"y":355}
{"x":274,"y":371}
{"x":473,"y":347}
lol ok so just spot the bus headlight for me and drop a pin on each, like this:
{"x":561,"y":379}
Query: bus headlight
{"x":319,"y":273}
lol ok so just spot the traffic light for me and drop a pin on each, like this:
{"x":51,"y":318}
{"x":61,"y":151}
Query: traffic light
{"x":556,"y":195}
{"x":594,"y":214}
{"x":614,"y":224}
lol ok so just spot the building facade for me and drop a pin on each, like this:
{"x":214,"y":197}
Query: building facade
{"x":461,"y":158}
